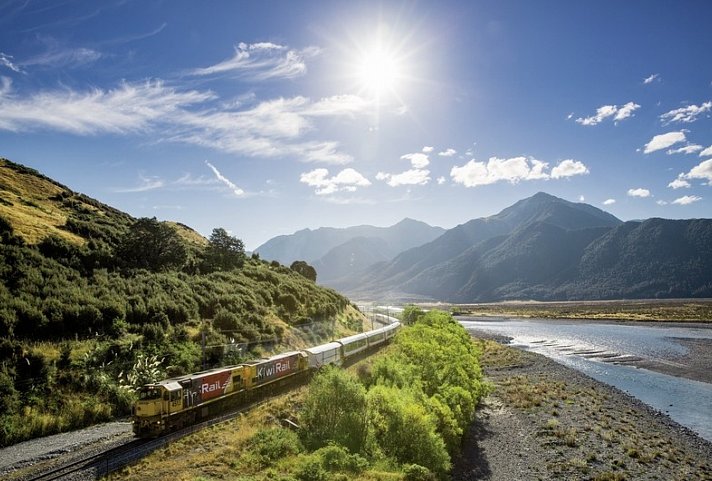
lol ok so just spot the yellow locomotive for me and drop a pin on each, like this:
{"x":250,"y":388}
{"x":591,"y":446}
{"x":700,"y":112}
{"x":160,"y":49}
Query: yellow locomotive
{"x":181,"y":401}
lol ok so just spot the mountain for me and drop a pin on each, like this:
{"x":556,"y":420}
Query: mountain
{"x":546,"y":248}
{"x":315,"y":245}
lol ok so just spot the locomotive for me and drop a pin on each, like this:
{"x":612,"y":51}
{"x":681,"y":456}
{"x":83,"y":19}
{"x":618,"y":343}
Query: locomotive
{"x":177,"y":402}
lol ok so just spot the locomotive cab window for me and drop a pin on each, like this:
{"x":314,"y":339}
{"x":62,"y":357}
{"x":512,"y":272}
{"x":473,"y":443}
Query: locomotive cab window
{"x":149,"y":393}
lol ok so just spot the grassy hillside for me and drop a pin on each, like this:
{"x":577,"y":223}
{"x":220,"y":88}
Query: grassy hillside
{"x":83,"y":322}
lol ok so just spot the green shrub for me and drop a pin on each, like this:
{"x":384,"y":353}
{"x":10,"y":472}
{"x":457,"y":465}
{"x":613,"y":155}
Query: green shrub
{"x":334,"y":411}
{"x":276,"y":443}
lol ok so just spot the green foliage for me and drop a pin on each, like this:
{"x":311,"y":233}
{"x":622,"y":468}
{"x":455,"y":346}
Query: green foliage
{"x":271,"y":445}
{"x":401,"y":428}
{"x":335,"y":411}
{"x":304,"y":269}
{"x":224,"y":252}
{"x":152,"y":245}
{"x":416,"y":472}
{"x":411,"y":314}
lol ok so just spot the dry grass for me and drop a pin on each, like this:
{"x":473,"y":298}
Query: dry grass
{"x":644,"y":310}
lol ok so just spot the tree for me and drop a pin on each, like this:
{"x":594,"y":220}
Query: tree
{"x":304,"y":269}
{"x":224,"y":252}
{"x":335,"y":411}
{"x":152,"y":245}
{"x":411,"y":314}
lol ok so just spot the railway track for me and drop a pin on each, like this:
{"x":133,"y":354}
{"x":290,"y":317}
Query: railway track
{"x":98,"y":465}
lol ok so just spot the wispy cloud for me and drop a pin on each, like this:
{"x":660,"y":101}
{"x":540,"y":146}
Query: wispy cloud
{"x":231,"y":185}
{"x":687,"y":199}
{"x":428,"y":149}
{"x":685,"y":114}
{"x":128,"y":108}
{"x":687,"y":149}
{"x":609,"y":201}
{"x":57,"y":57}
{"x":447,"y":153}
{"x":661,"y":202}
{"x":348,"y":180}
{"x":7,"y":61}
{"x":706,"y":152}
{"x":639,"y":192}
{"x":609,"y":112}
{"x":663,"y":141}
{"x":146,"y":183}
{"x":262,"y":61}
{"x":513,"y":170}
{"x":651,"y":79}
{"x":270,"y":128}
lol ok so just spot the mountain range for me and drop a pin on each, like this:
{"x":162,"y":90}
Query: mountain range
{"x":541,"y":248}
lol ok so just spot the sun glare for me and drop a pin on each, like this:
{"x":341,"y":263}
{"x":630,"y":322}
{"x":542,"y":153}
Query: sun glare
{"x":378,"y":72}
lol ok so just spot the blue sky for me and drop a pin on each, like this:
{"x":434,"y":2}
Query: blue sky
{"x":268,"y":117}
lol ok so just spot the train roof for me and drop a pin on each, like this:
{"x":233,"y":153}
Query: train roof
{"x":323,"y":348}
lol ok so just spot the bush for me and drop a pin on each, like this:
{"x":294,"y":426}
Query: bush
{"x":335,"y":411}
{"x":416,"y":472}
{"x":276,"y":443}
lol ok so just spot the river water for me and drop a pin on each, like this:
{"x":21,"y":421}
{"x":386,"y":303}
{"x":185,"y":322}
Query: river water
{"x":608,"y":353}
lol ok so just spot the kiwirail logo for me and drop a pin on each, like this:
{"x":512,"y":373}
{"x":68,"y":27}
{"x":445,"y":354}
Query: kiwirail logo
{"x":207,"y":388}
{"x":279,"y":367}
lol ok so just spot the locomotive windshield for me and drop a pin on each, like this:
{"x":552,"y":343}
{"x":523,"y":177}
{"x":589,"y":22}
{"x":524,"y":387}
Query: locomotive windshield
{"x":149,"y":393}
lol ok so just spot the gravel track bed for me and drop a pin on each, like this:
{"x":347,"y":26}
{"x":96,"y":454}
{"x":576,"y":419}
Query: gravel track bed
{"x":29,"y":458}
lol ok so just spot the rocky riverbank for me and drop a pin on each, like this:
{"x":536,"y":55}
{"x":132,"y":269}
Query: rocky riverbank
{"x":545,"y":421}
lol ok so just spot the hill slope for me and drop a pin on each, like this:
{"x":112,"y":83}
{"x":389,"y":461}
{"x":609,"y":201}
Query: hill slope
{"x":79,"y":322}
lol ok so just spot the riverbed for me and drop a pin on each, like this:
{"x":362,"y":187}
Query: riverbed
{"x":662,"y":364}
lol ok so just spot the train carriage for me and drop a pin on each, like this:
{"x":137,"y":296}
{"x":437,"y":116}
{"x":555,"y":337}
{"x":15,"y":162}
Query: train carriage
{"x":324,"y":355}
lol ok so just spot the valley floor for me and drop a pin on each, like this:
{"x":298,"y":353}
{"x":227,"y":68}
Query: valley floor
{"x":545,"y":421}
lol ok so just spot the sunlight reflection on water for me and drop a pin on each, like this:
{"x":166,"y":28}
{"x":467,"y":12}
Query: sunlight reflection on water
{"x":687,"y":402}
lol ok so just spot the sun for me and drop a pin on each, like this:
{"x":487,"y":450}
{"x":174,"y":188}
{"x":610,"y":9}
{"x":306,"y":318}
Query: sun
{"x":378,"y":71}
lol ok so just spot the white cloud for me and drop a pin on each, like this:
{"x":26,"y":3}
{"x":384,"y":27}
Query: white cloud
{"x":639,"y":192}
{"x":609,"y":201}
{"x":706,"y":152}
{"x":6,"y":61}
{"x":651,"y":79}
{"x":235,"y":189}
{"x":688,"y":149}
{"x":607,"y":111}
{"x":626,"y":111}
{"x":513,"y":170}
{"x":687,"y":199}
{"x":582,"y":198}
{"x":441,"y":180}
{"x":701,"y":171}
{"x":569,"y":168}
{"x":663,"y":141}
{"x":417,"y":160}
{"x":348,"y":180}
{"x":679,"y":183}
{"x":447,"y":153}
{"x":685,"y":114}
{"x":427,"y":149}
{"x":661,"y":202}
{"x":409,"y":177}
{"x":262,"y":61}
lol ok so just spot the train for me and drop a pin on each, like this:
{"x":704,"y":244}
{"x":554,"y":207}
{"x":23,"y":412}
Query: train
{"x":179,"y":402}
